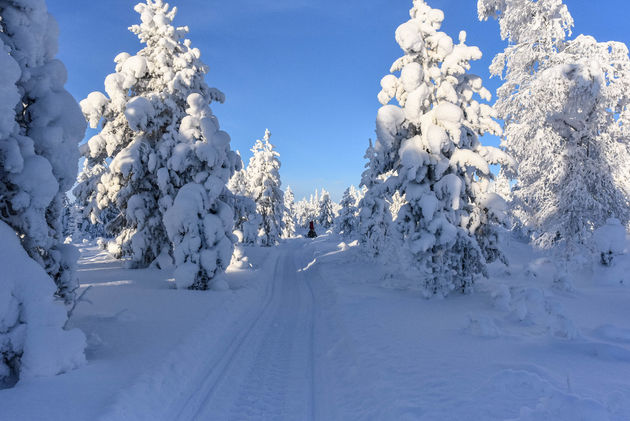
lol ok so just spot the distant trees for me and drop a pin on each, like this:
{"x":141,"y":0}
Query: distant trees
{"x":246,"y":220}
{"x":326,"y":217}
{"x":347,"y":220}
{"x":289,"y":213}
{"x":259,"y":200}
{"x":263,"y":178}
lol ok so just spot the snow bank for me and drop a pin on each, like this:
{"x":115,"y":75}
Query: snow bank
{"x":610,"y":240}
{"x":32,"y":339}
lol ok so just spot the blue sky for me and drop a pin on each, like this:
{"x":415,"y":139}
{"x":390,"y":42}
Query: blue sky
{"x":309,"y":70}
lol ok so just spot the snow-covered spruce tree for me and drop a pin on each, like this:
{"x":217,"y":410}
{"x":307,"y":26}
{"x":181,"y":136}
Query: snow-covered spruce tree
{"x":247,"y":221}
{"x":289,"y":213}
{"x":40,"y":128}
{"x":346,"y":222}
{"x":92,"y":222}
{"x":313,"y":209}
{"x":263,"y":181}
{"x":428,"y":150}
{"x":564,"y":104}
{"x":302,"y":212}
{"x":326,"y":211}
{"x":200,"y":221}
{"x":375,"y":216}
{"x":146,"y":155}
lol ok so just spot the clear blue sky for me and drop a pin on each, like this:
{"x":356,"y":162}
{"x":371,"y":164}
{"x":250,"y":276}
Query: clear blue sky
{"x":309,"y":70}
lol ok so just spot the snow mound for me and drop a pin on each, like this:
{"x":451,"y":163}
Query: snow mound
{"x":33,"y":341}
{"x":610,"y":240}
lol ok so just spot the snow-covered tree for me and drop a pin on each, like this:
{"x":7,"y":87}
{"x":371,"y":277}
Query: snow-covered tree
{"x":40,"y":128}
{"x":157,"y":135}
{"x":200,"y":221}
{"x":428,"y":150}
{"x":289,"y":213}
{"x":303,"y":213}
{"x":326,"y":211}
{"x":263,"y":180}
{"x":564,"y":103}
{"x":247,"y":221}
{"x":347,"y":221}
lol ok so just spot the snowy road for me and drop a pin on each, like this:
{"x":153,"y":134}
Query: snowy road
{"x":267,"y":371}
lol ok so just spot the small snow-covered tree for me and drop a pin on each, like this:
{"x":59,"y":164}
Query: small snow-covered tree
{"x":326,"y":211}
{"x":289,"y":213}
{"x":247,"y":221}
{"x":91,"y":222}
{"x":346,"y":222}
{"x":302,"y":212}
{"x":263,"y":181}
{"x":564,"y":104}
{"x":40,"y":128}
{"x":148,"y":122}
{"x":428,"y":150}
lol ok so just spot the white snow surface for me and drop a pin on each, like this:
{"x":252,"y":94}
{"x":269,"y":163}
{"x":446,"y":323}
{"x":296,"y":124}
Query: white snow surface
{"x":314,"y":331}
{"x":31,"y":322}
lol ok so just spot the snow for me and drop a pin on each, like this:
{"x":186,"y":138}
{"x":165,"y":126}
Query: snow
{"x":610,"y":240}
{"x":409,"y":37}
{"x":317,"y":332}
{"x":32,"y":335}
{"x":139,"y":113}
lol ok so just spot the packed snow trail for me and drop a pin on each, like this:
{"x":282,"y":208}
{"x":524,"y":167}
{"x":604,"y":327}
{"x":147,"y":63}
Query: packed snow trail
{"x":267,"y":372}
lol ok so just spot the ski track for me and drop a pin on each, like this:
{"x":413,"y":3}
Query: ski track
{"x":268,"y":371}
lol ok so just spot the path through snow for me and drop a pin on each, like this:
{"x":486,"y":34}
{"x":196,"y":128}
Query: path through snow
{"x":266,"y":372}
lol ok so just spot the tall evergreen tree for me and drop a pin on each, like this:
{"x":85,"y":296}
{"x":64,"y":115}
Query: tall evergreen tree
{"x":247,"y":221}
{"x":200,"y":221}
{"x":326,"y":211}
{"x":428,"y":150}
{"x":40,"y":128}
{"x":263,"y":178}
{"x":346,"y":222}
{"x":564,"y":103}
{"x":149,"y":119}
{"x":289,"y":213}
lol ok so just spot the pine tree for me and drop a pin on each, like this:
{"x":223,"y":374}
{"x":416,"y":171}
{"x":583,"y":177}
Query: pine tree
{"x":247,"y":221}
{"x":302,"y":214}
{"x":201,"y":220}
{"x":92,"y":222}
{"x":263,"y":178}
{"x":428,"y":150}
{"x":148,"y":122}
{"x":289,"y":214}
{"x":564,"y":104}
{"x":347,"y":221}
{"x":40,"y":128}
{"x":326,"y":213}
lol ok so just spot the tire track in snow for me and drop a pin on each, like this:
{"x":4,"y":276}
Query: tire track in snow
{"x":215,"y":371}
{"x":269,"y":373}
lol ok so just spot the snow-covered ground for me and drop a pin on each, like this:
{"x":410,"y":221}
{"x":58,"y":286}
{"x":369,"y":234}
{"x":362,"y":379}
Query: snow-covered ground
{"x":314,"y":331}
